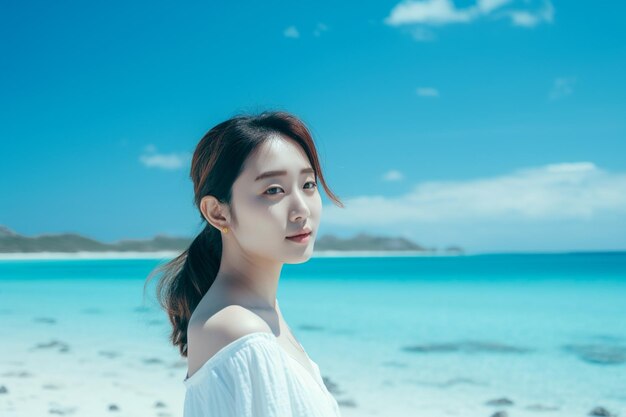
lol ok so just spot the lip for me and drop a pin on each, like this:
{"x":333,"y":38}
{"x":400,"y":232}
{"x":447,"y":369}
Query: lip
{"x":301,"y":233}
{"x":302,"y":238}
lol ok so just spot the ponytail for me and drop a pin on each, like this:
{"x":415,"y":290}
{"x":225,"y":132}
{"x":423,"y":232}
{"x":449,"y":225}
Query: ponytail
{"x":186,"y":279}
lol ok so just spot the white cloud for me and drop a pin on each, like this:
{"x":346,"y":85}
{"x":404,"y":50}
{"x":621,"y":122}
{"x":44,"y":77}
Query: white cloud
{"x":393,"y":175}
{"x":522,"y":18}
{"x":487,"y":6}
{"x":442,"y":12}
{"x":562,"y":206}
{"x":577,"y":190}
{"x":427,"y":11}
{"x":291,"y":32}
{"x":321,"y":27}
{"x":563,"y":86}
{"x":531,"y":19}
{"x":427,"y":92}
{"x":152,"y":159}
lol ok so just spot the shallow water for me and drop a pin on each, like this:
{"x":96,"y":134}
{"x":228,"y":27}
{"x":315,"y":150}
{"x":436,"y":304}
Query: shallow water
{"x":395,"y":336}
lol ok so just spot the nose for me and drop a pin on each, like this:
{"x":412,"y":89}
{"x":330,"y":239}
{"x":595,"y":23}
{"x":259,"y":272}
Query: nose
{"x":300,"y":210}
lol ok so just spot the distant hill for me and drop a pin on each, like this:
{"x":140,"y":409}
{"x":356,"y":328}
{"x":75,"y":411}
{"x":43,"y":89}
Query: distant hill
{"x":363,"y":241}
{"x":11,"y":242}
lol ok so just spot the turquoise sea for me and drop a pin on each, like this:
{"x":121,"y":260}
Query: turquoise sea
{"x":529,"y":334}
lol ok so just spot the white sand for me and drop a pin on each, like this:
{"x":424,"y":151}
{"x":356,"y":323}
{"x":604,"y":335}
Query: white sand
{"x":172,"y":254}
{"x":86,"y":255}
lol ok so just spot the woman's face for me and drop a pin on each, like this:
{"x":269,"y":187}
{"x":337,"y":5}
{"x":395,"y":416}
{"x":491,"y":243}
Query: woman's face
{"x":269,"y":209}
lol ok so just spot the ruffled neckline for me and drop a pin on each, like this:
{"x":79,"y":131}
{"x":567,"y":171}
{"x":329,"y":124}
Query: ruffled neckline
{"x":223,"y":354}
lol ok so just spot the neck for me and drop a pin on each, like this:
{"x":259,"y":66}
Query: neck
{"x":254,"y":280}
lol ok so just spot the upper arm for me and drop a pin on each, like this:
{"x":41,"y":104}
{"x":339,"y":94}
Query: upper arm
{"x":206,"y":337}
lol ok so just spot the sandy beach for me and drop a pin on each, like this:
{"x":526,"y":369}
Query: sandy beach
{"x":171,"y":254}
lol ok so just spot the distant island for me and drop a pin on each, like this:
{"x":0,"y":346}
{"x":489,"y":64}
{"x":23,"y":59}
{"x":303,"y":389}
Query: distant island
{"x":14,"y":243}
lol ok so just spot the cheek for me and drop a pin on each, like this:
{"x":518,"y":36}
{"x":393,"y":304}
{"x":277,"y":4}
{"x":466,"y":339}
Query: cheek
{"x":316,"y":205}
{"x":253,"y":214}
{"x":267,"y":217}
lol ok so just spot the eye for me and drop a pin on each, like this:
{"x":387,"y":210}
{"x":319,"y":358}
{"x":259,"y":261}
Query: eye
{"x":312,"y":182}
{"x":273,"y":188}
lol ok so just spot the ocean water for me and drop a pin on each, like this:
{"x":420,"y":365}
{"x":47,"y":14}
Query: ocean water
{"x":393,"y":336}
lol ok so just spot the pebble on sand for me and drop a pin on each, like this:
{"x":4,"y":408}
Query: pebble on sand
{"x":19,"y":374}
{"x":332,"y":387}
{"x":599,"y":354}
{"x":109,"y":353}
{"x":62,"y":346}
{"x":500,"y":402}
{"x":62,"y":411}
{"x":346,"y":403}
{"x":601,"y":412}
{"x":541,"y":407}
{"x":47,"y":320}
{"x":470,"y":346}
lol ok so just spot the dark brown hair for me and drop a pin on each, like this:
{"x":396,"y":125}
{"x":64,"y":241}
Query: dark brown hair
{"x":217,"y":162}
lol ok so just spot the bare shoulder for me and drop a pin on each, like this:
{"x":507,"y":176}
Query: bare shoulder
{"x":208,"y":335}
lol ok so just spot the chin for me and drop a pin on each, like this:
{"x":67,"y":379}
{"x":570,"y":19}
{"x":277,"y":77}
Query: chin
{"x":300,"y":258}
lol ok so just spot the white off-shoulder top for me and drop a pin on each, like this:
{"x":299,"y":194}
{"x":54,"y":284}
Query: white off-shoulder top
{"x":254,"y":376}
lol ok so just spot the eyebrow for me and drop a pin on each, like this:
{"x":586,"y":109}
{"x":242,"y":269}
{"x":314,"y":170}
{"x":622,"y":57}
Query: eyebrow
{"x":278,"y":173}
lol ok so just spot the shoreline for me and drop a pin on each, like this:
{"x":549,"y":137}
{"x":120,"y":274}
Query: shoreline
{"x":167,"y":255}
{"x":85,"y":255}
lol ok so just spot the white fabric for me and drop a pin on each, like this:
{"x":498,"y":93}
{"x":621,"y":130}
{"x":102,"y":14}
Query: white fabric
{"x":254,"y":376}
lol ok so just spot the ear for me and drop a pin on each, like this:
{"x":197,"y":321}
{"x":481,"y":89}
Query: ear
{"x":214,"y":212}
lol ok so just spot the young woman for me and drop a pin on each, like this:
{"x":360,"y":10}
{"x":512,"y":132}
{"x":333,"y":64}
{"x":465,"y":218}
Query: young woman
{"x":256,"y":185}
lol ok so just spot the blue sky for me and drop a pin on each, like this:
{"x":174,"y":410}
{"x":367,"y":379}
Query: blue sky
{"x":493,"y":125}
